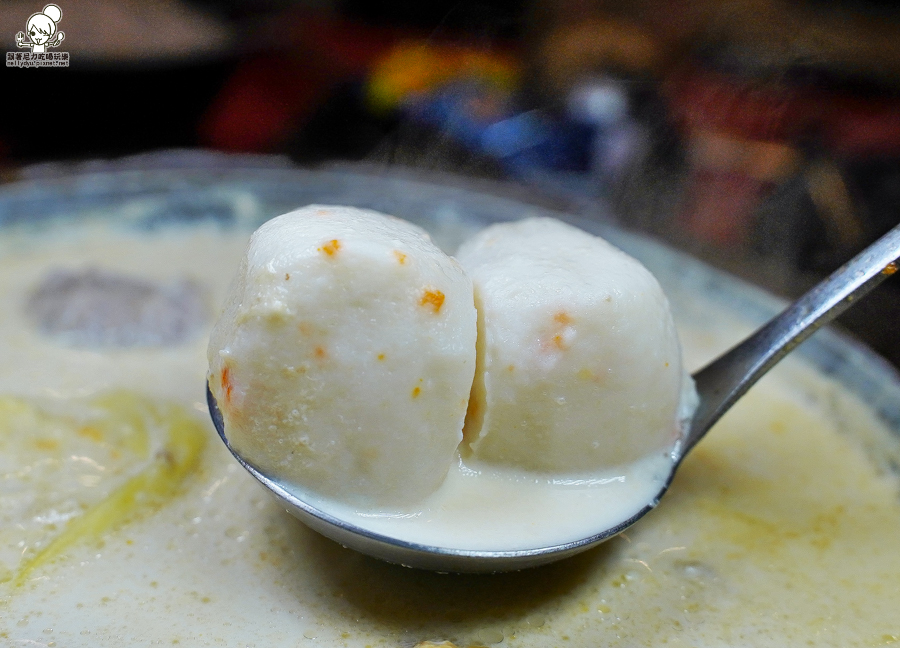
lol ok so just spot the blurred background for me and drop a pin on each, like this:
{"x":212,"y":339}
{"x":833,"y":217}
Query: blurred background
{"x":760,"y":135}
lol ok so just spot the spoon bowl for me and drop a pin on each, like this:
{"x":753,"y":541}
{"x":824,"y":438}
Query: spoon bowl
{"x":410,"y":554}
{"x":720,"y":384}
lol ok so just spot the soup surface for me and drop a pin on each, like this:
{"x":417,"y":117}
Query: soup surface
{"x":124,"y":520}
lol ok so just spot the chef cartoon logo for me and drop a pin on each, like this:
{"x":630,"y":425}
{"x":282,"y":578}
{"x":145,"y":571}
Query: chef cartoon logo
{"x":41,"y":32}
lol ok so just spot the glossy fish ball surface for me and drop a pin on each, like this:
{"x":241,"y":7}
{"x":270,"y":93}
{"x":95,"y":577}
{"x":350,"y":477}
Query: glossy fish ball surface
{"x":345,"y":356}
{"x":579,"y":364}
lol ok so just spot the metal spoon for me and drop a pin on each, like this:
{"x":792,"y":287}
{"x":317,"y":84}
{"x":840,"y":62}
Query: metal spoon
{"x":720,"y":384}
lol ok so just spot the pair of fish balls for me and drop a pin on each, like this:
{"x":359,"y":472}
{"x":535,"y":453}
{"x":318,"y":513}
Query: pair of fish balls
{"x":354,"y":358}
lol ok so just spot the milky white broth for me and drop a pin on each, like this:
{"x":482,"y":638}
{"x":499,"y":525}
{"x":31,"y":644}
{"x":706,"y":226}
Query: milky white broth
{"x":778,"y":529}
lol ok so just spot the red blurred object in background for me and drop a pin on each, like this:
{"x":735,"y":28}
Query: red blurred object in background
{"x":743,"y":138}
{"x":738,"y":136}
{"x":860,"y":128}
{"x":273,"y":92}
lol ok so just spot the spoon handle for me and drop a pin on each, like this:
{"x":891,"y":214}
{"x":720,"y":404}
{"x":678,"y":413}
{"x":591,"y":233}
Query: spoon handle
{"x":729,"y":376}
